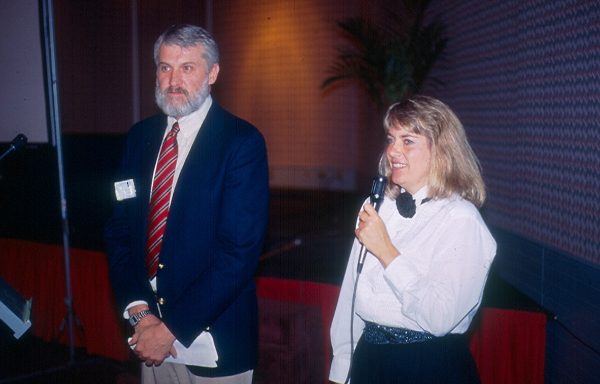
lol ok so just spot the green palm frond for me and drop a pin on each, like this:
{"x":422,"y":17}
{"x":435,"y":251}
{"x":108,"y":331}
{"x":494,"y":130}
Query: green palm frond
{"x":390,"y":60}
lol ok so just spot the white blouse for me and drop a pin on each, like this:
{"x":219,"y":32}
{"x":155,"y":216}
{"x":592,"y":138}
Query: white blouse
{"x":435,"y":285}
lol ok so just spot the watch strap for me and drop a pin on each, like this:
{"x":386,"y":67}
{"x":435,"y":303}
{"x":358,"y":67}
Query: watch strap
{"x":137,"y":317}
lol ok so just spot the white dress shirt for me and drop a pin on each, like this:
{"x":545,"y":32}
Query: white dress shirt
{"x":435,"y":284}
{"x":202,"y":351}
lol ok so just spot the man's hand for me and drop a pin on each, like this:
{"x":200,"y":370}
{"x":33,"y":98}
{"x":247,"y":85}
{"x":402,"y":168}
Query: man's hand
{"x":153,"y":341}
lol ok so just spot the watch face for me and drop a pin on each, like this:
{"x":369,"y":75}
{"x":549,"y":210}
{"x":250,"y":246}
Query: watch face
{"x":135,"y":318}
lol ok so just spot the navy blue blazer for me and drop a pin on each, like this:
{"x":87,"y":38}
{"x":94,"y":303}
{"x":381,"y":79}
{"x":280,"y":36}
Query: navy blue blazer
{"x":214,"y":236}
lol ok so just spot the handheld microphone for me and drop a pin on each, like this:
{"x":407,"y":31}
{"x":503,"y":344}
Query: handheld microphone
{"x":16,"y":144}
{"x":376,"y":198}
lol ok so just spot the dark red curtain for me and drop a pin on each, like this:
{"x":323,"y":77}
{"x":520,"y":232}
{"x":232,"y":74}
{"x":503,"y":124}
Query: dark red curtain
{"x":37,"y":271}
{"x":509,"y":346}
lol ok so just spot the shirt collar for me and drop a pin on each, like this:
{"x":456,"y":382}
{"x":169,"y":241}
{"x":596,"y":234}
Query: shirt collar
{"x":191,"y":123}
{"x":420,"y":195}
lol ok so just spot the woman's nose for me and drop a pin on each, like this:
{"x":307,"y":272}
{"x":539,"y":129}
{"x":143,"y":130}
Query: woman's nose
{"x":395,"y":149}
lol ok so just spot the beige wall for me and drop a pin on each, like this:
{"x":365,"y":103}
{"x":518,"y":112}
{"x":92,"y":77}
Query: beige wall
{"x":275,"y":54}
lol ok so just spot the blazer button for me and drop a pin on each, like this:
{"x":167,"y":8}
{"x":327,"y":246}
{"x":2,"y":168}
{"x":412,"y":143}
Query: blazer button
{"x":161,"y":266}
{"x":161,"y":301}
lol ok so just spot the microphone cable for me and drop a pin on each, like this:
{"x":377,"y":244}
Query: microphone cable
{"x":376,"y":198}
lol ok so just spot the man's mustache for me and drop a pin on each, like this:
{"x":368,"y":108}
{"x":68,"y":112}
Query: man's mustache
{"x":176,"y":90}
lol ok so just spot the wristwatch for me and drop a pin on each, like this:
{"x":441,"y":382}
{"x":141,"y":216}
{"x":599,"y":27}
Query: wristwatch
{"x":136,"y":317}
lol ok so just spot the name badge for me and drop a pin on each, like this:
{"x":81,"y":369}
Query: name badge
{"x":124,"y":189}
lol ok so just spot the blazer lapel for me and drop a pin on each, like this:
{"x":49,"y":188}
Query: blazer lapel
{"x":201,"y":158}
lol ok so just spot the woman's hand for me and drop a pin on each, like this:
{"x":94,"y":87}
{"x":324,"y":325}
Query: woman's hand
{"x":372,"y":233}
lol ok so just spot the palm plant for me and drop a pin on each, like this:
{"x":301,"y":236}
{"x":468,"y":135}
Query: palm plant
{"x":392,"y":58}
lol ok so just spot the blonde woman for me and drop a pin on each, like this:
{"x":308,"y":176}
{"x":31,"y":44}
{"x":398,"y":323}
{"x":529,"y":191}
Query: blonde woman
{"x":429,"y":253}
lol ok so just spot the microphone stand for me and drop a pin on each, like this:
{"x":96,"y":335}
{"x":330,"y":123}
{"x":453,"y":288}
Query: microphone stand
{"x":47,"y":20}
{"x":52,"y":79}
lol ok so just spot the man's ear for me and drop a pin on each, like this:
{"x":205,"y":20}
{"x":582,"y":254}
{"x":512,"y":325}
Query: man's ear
{"x":213,"y":73}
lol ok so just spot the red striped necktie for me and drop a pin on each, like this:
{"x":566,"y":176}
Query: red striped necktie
{"x":160,"y":199}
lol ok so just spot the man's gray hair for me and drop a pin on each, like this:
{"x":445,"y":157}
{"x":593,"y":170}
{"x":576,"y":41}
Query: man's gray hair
{"x":186,"y":35}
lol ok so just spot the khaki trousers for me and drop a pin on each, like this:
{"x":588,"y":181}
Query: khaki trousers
{"x":170,"y":373}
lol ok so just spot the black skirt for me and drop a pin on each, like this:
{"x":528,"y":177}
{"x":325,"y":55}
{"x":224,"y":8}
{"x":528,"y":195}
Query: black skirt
{"x":441,"y":360}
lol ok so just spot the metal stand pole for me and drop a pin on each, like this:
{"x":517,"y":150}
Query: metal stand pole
{"x":54,"y":110}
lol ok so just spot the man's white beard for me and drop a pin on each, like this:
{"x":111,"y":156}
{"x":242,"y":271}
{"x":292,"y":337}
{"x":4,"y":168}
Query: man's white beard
{"x":192,"y":103}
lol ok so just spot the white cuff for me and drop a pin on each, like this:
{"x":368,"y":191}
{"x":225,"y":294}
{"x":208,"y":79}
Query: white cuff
{"x":339,"y":369}
{"x":131,"y":305}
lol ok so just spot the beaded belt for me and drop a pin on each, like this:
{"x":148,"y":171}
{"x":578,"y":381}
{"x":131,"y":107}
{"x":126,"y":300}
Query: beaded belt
{"x":381,"y":334}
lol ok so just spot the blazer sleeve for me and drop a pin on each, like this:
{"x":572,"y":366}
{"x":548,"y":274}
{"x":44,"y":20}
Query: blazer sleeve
{"x":127,"y":270}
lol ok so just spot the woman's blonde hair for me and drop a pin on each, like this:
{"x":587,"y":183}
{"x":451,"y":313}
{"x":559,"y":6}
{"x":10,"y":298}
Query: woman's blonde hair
{"x":454,"y":167}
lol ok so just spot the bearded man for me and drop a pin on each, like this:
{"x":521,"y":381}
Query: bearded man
{"x":189,"y":223}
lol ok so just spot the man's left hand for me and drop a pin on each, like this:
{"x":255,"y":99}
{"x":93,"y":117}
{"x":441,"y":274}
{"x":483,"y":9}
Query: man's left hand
{"x":153,"y":341}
